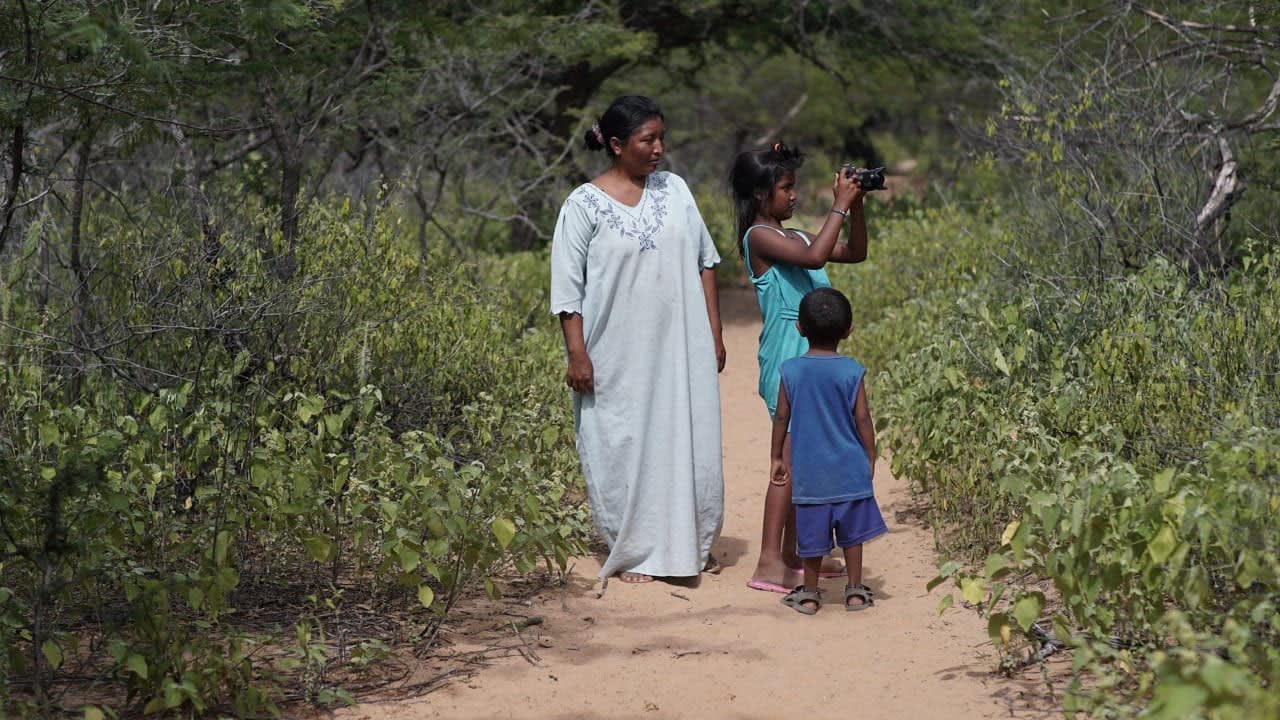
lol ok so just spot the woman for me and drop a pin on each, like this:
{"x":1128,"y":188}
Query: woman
{"x":633,"y":282}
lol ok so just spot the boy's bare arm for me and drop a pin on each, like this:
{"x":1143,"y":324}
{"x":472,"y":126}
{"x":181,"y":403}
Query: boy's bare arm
{"x":866,"y":426}
{"x":778,"y":471}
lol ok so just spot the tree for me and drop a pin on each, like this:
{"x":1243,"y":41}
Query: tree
{"x":1147,"y":121}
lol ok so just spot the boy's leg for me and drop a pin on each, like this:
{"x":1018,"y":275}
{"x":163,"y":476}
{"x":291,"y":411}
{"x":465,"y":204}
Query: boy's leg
{"x":812,"y":566}
{"x":789,"y":557}
{"x":813,"y":528}
{"x":853,"y":561}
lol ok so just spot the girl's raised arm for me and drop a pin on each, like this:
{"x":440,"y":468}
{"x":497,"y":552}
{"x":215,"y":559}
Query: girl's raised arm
{"x":774,"y":247}
{"x":855,"y":249}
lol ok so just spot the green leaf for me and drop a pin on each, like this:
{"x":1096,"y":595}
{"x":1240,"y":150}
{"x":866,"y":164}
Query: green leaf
{"x":1009,"y":530}
{"x":319,"y":548}
{"x":1174,"y":699}
{"x":998,"y":628}
{"x":1001,"y":364}
{"x":93,"y":712}
{"x":49,"y":433}
{"x":972,"y":589}
{"x":1163,"y":544}
{"x":504,"y":530}
{"x":220,"y":544}
{"x":995,"y":565}
{"x":947,"y":570}
{"x":408,"y":558}
{"x":1027,"y":609}
{"x":137,"y":665}
{"x":333,"y":424}
{"x":52,"y":653}
{"x":310,"y":407}
{"x":945,"y":603}
{"x":426,"y":596}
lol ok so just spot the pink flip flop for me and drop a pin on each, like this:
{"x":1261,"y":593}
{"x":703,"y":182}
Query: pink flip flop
{"x":768,"y":586}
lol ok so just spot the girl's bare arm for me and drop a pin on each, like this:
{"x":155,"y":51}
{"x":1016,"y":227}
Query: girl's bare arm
{"x":855,"y":249}
{"x":772,"y":247}
{"x":779,"y":473}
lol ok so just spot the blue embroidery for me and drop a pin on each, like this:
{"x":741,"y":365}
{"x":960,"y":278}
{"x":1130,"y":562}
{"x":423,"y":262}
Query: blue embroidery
{"x":642,"y":228}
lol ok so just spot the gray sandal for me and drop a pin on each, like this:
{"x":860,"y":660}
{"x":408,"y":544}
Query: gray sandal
{"x":860,"y":591}
{"x":797,"y":597}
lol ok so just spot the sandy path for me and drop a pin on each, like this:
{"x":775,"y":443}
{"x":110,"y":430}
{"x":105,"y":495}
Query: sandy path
{"x":715,"y":649}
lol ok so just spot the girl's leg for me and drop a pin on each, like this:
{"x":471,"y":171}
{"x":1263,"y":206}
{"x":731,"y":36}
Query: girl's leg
{"x":771,"y":572}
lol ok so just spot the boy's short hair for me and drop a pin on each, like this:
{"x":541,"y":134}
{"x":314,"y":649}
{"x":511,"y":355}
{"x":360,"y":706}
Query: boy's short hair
{"x":825,"y":315}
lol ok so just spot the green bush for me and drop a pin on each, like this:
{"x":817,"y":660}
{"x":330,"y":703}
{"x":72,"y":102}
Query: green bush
{"x":1119,"y":440}
{"x":347,"y":411}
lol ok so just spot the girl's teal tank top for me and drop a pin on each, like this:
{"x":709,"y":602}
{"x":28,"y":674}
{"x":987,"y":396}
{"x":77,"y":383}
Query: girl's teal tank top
{"x":778,"y":293}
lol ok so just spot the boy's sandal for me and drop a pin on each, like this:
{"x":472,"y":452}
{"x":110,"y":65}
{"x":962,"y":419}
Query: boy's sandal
{"x":797,"y":597}
{"x":860,"y":591}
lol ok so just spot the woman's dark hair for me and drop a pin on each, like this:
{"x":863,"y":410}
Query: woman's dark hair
{"x":825,"y":315}
{"x":624,"y":116}
{"x":756,"y":171}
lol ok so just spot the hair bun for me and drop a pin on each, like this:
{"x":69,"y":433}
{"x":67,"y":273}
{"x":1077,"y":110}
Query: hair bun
{"x":785,"y":154}
{"x":594,"y":137}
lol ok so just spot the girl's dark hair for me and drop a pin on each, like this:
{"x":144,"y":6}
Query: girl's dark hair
{"x":825,"y":315}
{"x":623,"y":117}
{"x":756,"y":171}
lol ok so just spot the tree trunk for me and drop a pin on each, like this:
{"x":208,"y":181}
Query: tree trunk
{"x":16,"y":148}
{"x":80,"y":276}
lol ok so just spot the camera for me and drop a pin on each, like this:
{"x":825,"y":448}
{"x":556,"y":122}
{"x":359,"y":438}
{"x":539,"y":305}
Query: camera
{"x":868,"y":179}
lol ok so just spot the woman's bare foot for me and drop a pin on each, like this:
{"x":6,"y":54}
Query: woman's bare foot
{"x":634,"y":578}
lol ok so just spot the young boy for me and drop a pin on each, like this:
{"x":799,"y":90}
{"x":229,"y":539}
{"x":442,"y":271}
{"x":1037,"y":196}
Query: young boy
{"x":823,"y":405}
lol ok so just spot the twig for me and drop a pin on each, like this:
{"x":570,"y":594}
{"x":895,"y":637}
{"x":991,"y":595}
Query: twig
{"x":530,"y":653}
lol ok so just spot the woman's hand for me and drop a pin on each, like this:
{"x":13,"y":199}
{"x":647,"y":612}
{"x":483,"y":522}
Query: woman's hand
{"x":721,"y":354}
{"x":581,"y":374}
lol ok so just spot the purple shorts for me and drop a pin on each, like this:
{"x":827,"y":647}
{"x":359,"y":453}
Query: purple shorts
{"x":853,"y":522}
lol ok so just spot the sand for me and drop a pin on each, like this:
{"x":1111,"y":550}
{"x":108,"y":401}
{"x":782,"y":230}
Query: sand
{"x":712,"y":648}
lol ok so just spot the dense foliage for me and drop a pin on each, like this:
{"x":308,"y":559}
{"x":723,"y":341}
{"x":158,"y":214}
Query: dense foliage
{"x":377,"y":427}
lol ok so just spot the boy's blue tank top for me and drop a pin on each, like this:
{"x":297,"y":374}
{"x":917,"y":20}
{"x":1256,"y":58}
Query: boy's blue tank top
{"x":828,"y":462}
{"x":778,"y":293}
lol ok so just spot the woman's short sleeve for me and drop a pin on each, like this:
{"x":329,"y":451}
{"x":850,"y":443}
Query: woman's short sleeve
{"x":708,"y":256}
{"x":569,"y":243}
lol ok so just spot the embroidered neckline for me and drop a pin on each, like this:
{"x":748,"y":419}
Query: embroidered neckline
{"x":641,"y":222}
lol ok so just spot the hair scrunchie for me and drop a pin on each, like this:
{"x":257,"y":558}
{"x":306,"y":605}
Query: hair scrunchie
{"x":595,"y":130}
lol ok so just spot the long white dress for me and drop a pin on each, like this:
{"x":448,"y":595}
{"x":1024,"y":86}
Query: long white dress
{"x":649,"y":437}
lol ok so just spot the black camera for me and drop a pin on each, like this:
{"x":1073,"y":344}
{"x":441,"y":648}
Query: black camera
{"x":867,"y":179}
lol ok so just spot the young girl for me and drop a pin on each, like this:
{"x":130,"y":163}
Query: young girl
{"x":784,"y":264}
